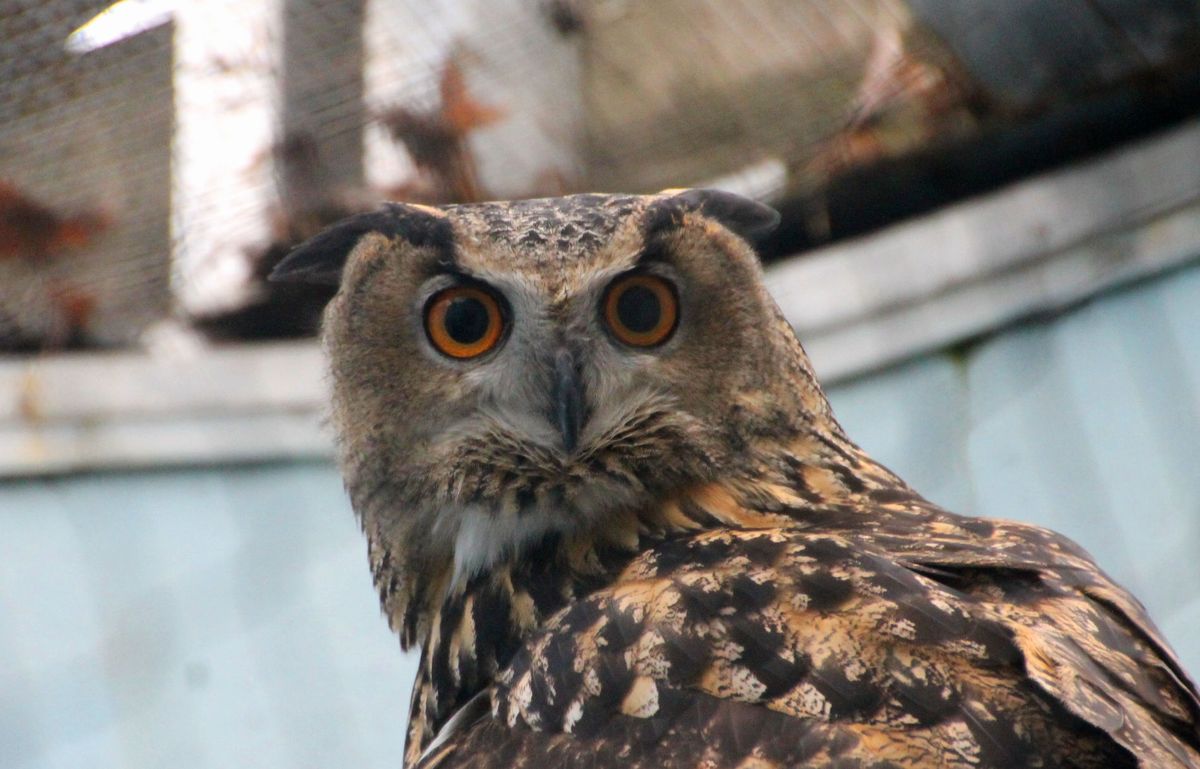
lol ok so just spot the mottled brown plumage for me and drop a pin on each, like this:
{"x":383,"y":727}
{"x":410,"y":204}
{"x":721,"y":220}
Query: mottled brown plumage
{"x":709,"y":573}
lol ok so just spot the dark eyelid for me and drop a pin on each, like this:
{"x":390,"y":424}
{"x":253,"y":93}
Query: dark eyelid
{"x":445,"y":264}
{"x":460,"y":278}
{"x":655,"y":252}
{"x":455,"y":276}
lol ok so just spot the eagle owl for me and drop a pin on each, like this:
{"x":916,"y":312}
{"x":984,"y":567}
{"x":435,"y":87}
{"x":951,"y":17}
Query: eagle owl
{"x":605,"y":495}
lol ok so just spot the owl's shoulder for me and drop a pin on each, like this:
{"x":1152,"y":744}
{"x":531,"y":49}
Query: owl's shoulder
{"x":732,"y":637}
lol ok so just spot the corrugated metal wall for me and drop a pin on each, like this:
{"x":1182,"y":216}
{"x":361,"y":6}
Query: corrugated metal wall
{"x":224,"y":617}
{"x":202,"y":618}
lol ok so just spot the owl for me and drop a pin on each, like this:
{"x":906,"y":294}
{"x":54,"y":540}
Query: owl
{"x":605,"y":496}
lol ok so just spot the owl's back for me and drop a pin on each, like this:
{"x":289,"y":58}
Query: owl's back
{"x":908,"y":641}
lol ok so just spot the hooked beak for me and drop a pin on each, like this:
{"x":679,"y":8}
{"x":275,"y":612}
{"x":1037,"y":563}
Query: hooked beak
{"x":569,"y":408}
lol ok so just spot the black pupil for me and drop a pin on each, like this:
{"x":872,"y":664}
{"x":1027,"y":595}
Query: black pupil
{"x":466,"y":320}
{"x":638,"y":309}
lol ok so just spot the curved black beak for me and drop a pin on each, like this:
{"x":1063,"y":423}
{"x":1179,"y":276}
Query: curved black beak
{"x":570,"y":411}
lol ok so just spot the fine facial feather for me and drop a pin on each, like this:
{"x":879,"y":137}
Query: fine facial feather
{"x":715,"y":575}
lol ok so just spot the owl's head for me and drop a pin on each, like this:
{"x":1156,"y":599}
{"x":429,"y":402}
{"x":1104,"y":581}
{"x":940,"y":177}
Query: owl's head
{"x":502,"y":371}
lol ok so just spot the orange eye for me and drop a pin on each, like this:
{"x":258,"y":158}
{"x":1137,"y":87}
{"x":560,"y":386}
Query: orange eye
{"x":641,"y":310}
{"x":463,"y":321}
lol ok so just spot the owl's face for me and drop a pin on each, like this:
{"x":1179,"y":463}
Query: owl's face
{"x":504,"y":371}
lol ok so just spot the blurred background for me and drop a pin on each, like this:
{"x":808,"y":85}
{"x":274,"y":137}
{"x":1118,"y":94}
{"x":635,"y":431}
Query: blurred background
{"x":990,"y":247}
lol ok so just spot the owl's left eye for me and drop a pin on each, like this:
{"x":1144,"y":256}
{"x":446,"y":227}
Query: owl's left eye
{"x":464,"y":321}
{"x":641,"y":310}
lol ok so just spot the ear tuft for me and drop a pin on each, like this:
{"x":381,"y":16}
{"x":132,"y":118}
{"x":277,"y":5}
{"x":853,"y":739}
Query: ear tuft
{"x":320,"y":259}
{"x":748,"y":218}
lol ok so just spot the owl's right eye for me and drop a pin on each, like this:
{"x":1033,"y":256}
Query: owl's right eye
{"x":464,"y":321}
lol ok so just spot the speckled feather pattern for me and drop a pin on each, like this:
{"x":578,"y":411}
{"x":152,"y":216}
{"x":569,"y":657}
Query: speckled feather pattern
{"x":761,"y":593}
{"x":906,"y":638}
{"x":556,"y":233}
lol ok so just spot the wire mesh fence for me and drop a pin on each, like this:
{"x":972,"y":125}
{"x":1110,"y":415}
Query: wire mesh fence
{"x":157,"y":157}
{"x":85,"y":156}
